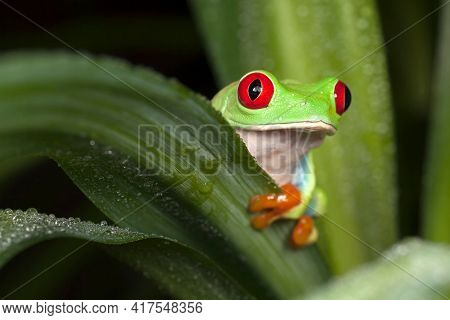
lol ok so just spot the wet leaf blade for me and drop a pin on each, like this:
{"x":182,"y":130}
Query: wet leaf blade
{"x":412,"y":269}
{"x":306,"y":41}
{"x":190,"y":275}
{"x":68,"y":108}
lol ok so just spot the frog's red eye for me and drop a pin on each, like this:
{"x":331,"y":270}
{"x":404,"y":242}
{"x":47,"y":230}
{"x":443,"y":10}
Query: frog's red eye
{"x":255,"y":90}
{"x":342,"y":97}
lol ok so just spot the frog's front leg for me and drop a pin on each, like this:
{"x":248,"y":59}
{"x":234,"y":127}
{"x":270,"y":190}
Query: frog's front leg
{"x":273,"y":205}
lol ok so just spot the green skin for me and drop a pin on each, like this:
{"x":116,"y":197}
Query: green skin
{"x":293,"y":106}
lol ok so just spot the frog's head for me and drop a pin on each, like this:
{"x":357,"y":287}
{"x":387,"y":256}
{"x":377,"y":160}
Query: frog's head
{"x":259,"y":101}
{"x":260,"y":106}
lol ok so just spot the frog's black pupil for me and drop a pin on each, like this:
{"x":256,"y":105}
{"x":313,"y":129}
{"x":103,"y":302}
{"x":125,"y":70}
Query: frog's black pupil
{"x":348,"y":97}
{"x":254,"y":89}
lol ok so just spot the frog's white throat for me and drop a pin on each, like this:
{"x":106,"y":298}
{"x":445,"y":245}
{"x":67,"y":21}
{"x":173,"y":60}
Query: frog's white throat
{"x":278,"y":151}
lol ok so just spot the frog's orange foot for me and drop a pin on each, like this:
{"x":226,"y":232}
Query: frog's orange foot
{"x":304,"y":232}
{"x":264,"y":220}
{"x":273,"y":205}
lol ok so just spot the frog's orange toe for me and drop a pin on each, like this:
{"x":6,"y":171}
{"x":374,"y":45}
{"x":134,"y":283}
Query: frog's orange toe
{"x":292,"y":197}
{"x":263,"y":220}
{"x":273,"y":205}
{"x":289,"y":198}
{"x":263,"y":202}
{"x":301,"y":235}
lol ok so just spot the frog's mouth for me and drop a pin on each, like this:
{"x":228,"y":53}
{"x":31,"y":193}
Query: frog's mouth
{"x":278,"y":149}
{"x":305,"y":126}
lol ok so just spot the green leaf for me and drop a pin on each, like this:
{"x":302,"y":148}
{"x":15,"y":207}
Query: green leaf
{"x":410,"y":98}
{"x":180,"y":270}
{"x":308,"y":40}
{"x":436,"y":211}
{"x":85,"y":113}
{"x":412,"y":269}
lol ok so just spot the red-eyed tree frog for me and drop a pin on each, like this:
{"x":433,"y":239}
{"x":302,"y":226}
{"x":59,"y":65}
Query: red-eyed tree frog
{"x":280,"y":121}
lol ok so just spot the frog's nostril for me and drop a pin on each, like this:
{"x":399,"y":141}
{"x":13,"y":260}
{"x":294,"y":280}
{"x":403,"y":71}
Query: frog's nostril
{"x":342,"y":97}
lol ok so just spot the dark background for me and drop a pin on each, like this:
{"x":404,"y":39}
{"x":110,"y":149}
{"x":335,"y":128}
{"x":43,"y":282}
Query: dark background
{"x":162,"y":35}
